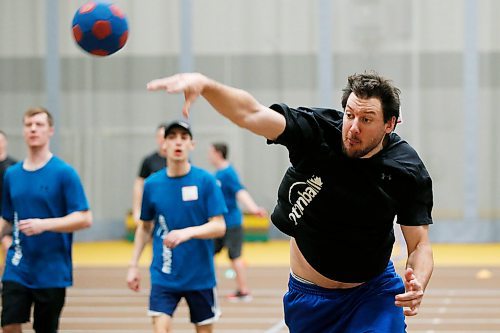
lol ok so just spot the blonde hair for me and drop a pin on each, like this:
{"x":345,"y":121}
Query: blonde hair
{"x":37,"y":110}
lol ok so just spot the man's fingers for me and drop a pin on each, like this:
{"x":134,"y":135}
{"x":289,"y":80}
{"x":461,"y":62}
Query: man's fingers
{"x":25,"y":228}
{"x":176,"y":84}
{"x":414,"y":286}
{"x":172,"y":84}
{"x":187,"y":105}
{"x":159,"y":84}
{"x":410,"y":295}
{"x":410,"y":311}
{"x":172,"y":243}
{"x":134,"y":284}
{"x":410,"y":301}
{"x":407,"y":302}
{"x":169,"y":84}
{"x":409,"y":275}
{"x":154,"y":85}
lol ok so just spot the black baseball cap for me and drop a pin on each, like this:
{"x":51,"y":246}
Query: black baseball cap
{"x":178,"y":124}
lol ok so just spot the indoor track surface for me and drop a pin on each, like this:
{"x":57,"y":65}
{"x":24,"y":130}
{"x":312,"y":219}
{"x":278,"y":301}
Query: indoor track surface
{"x":463,"y":296}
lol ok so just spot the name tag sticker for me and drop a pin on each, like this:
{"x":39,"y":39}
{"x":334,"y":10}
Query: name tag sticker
{"x":189,"y":193}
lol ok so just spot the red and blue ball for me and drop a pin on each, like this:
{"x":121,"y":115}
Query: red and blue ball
{"x":100,"y":28}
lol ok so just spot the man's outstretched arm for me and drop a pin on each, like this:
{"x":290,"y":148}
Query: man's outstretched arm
{"x":237,"y":105}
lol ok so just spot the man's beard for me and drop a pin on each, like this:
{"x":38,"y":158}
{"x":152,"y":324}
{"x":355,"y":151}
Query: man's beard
{"x":361,"y":152}
{"x":355,"y":153}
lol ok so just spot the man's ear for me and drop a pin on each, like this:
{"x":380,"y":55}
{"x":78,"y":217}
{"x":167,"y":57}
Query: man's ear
{"x":390,"y":125}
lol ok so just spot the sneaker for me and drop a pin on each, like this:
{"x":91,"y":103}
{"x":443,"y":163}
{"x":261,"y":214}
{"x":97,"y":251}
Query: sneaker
{"x":238,"y":296}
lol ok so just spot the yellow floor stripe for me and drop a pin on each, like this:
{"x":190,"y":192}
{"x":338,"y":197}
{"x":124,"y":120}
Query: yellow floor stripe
{"x":467,"y":254}
{"x":275,"y":253}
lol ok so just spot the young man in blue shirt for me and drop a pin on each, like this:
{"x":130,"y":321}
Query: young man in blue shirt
{"x":44,"y":203}
{"x":234,"y":193}
{"x":182,"y":211}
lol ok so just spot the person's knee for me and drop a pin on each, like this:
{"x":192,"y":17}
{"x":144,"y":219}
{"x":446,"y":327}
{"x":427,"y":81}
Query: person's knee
{"x":204,"y":328}
{"x":44,"y":325}
{"x":12,"y":328}
{"x":162,"y":324}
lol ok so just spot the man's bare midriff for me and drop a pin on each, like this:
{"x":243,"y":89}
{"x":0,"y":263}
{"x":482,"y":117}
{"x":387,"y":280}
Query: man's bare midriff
{"x":301,"y":268}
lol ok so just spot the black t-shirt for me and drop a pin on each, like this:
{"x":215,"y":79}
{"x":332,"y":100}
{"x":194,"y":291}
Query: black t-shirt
{"x":151,"y":164}
{"x":341,"y":210}
{"x":3,"y":166}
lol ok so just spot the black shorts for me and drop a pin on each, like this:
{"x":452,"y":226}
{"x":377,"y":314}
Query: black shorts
{"x":232,"y":240}
{"x":18,"y":299}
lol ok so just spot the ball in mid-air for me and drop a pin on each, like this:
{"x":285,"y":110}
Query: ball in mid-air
{"x":100,"y":28}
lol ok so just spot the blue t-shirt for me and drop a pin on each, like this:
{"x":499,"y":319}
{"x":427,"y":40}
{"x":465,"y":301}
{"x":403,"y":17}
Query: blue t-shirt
{"x":230,"y":185}
{"x":55,"y":190}
{"x":176,"y":203}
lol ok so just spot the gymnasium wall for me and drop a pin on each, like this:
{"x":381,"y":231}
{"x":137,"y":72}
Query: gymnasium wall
{"x":107,"y":119}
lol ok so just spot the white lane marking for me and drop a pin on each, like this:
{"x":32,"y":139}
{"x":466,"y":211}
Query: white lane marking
{"x":277,"y":327}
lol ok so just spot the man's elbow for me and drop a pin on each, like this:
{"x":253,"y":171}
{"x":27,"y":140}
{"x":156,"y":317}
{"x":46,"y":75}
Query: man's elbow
{"x":88,"y":220}
{"x":221,"y":229}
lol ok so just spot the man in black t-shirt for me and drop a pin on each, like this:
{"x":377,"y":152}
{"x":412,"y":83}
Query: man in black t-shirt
{"x":150,"y":164}
{"x":350,"y":178}
{"x":5,"y":162}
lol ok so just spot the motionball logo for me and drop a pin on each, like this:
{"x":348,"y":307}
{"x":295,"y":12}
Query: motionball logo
{"x":301,"y":194}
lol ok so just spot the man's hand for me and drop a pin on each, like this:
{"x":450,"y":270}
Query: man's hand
{"x":133,"y":278}
{"x":31,"y":227}
{"x":260,"y":212}
{"x":412,"y":298}
{"x":175,"y":237}
{"x":191,"y":84}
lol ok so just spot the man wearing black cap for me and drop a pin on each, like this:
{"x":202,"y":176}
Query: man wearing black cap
{"x":351,"y":176}
{"x":182,"y":211}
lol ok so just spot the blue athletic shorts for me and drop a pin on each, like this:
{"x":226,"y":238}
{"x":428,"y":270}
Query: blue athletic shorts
{"x":366,"y":308}
{"x":203,"y":306}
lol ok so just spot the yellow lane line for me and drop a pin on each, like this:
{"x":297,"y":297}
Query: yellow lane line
{"x":275,"y":253}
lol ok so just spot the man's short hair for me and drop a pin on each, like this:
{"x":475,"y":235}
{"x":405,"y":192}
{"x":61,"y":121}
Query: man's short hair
{"x":371,"y":84}
{"x":37,"y":110}
{"x":221,"y":148}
